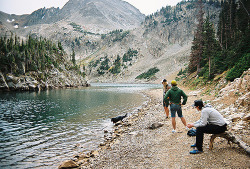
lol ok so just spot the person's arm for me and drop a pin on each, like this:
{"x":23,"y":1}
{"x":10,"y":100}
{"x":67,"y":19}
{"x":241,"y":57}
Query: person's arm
{"x":203,"y":120}
{"x":184,"y":98}
{"x":168,"y":87}
{"x":166,"y":98}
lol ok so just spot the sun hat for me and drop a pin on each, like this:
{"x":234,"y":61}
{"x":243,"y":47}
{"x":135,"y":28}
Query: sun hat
{"x":173,"y":82}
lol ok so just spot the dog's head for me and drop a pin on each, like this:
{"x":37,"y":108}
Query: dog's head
{"x":118,"y":118}
{"x":113,"y":120}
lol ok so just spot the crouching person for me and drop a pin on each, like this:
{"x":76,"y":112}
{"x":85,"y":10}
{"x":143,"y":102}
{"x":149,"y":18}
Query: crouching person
{"x":211,"y":122}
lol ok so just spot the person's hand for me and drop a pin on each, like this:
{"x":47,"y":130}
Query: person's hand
{"x":190,"y":125}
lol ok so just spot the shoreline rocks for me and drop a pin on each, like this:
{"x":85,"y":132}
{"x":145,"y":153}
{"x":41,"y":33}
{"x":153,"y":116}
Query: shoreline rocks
{"x":234,"y":110}
{"x":35,"y":81}
{"x":84,"y":160}
{"x":131,"y":128}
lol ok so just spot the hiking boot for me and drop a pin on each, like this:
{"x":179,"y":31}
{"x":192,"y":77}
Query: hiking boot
{"x":194,"y":145}
{"x":195,"y":152}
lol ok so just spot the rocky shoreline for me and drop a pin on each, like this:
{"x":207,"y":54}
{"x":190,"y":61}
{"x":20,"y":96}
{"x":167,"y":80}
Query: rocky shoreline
{"x":132,"y":144}
{"x":34,"y":81}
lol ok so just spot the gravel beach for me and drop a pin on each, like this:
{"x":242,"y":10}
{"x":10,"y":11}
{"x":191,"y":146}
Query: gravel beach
{"x":132,"y":144}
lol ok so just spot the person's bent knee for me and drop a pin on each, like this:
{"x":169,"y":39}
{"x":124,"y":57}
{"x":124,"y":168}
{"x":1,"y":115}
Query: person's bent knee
{"x":199,"y":130}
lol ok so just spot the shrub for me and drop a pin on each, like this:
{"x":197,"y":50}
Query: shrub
{"x":239,"y":68}
{"x":116,"y":69}
{"x":129,"y":55}
{"x":182,"y":72}
{"x":146,"y":75}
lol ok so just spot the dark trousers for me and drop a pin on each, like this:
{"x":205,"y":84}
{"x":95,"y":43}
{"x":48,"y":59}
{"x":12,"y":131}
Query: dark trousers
{"x":209,"y":129}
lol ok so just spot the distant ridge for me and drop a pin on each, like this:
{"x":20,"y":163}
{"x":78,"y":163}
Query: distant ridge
{"x":92,"y":14}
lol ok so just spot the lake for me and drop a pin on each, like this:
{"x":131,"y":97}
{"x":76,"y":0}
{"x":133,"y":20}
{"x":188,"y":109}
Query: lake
{"x":42,"y":129}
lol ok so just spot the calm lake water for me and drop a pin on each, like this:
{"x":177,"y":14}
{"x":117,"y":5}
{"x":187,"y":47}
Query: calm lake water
{"x":42,"y":129}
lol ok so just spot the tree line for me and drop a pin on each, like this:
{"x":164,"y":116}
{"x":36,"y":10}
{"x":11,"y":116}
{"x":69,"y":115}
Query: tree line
{"x":214,"y":52}
{"x":105,"y":65}
{"x":35,"y":54}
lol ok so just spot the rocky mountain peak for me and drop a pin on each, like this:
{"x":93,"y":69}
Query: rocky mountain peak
{"x":42,"y":16}
{"x":109,"y":14}
{"x":98,"y":16}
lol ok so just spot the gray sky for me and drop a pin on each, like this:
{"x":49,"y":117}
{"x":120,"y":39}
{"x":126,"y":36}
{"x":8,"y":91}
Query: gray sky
{"x":20,"y":7}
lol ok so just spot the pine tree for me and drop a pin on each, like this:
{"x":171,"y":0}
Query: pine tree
{"x":117,"y":65}
{"x":211,"y":46}
{"x":243,"y":25}
{"x":33,"y":55}
{"x":197,"y":48}
{"x":73,"y":57}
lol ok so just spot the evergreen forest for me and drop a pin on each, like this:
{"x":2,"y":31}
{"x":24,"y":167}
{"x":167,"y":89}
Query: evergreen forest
{"x":36,"y":54}
{"x":225,"y":49}
{"x":214,"y":49}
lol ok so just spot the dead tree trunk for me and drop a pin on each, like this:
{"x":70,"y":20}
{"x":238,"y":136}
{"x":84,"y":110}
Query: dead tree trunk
{"x":230,"y":138}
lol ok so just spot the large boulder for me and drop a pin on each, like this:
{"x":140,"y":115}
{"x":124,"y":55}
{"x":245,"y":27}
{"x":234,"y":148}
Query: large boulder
{"x":156,"y":125}
{"x":21,"y":84}
{"x":243,"y":101}
{"x":68,"y":164}
{"x":245,"y":83}
{"x":31,"y":82}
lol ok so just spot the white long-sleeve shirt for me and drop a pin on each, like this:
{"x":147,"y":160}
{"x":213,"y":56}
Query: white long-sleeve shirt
{"x":210,"y":116}
{"x":166,"y":87}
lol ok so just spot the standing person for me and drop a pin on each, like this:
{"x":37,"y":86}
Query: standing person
{"x":174,"y":96}
{"x":166,"y":87}
{"x":211,"y":122}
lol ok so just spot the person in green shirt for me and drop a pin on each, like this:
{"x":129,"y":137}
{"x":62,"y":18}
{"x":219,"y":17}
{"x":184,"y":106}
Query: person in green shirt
{"x":173,"y":97}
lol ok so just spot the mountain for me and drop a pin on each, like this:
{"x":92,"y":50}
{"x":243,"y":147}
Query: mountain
{"x":111,"y":14}
{"x":43,"y":16}
{"x":163,"y":41}
{"x":93,"y":31}
{"x":91,"y":15}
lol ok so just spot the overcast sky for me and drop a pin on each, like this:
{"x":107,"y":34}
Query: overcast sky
{"x":20,"y":7}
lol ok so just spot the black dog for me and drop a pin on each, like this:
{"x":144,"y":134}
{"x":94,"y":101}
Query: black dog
{"x":118,"y":118}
